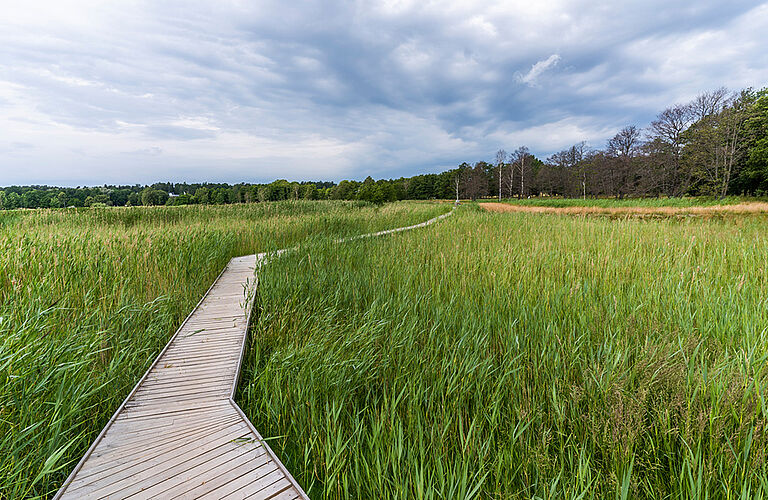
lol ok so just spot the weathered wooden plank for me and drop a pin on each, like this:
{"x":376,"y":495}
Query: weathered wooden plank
{"x":289,"y":494}
{"x":179,"y":369}
{"x":203,"y":341}
{"x":220,"y":476}
{"x":121,"y":467}
{"x":207,"y":332}
{"x":198,"y":369}
{"x":104,"y":471}
{"x":155,"y":486}
{"x":177,"y":400}
{"x":202,"y":486}
{"x":212,"y":353}
{"x":155,"y":392}
{"x":145,"y":477}
{"x":128,"y":427}
{"x":192,"y":353}
{"x":169,"y":411}
{"x":178,"y":429}
{"x":248,"y":486}
{"x":175,"y":394}
{"x":151,"y":441}
{"x":207,"y":338}
{"x":183,"y":382}
{"x":214,"y":357}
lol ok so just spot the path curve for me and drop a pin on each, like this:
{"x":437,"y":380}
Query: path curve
{"x":179,"y":433}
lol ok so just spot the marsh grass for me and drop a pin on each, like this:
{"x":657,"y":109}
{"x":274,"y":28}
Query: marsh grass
{"x":519,"y":356}
{"x":88,"y":298}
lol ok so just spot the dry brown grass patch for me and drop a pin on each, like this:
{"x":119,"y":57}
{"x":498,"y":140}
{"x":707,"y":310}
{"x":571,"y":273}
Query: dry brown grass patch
{"x":739,"y":208}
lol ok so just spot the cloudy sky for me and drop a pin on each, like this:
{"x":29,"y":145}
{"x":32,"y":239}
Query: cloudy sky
{"x":95,"y":92}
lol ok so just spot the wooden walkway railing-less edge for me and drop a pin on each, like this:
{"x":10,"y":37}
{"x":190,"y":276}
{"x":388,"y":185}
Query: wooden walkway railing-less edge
{"x":179,"y":433}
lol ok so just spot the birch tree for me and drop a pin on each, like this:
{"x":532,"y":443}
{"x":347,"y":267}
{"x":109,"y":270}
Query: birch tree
{"x":668,"y":128}
{"x":501,"y":158}
{"x":520,"y":156}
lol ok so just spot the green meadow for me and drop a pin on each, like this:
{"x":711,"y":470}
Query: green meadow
{"x":490,"y":355}
{"x":89,"y":297}
{"x":519,"y":356}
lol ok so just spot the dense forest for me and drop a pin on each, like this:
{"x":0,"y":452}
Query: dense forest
{"x":715,"y":145}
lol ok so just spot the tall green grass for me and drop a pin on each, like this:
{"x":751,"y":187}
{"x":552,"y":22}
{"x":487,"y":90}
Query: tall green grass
{"x":89,"y":297}
{"x":519,"y":356}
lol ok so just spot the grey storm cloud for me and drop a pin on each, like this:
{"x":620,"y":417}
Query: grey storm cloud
{"x":252,"y":91}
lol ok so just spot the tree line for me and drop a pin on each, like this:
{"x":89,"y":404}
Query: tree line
{"x":715,"y":145}
{"x":162,"y":193}
{"x":419,"y":187}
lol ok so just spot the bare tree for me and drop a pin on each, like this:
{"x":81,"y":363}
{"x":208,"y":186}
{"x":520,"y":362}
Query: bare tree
{"x":626,"y":143}
{"x":714,"y":145}
{"x":476,"y":181}
{"x":511,"y":176}
{"x":551,"y":176}
{"x":567,"y":168}
{"x":575,"y":157}
{"x":668,"y":128}
{"x":501,"y":158}
{"x":709,"y":103}
{"x":457,"y":182}
{"x":733,"y":126}
{"x":460,"y":176}
{"x":670,"y":124}
{"x":522,"y":153}
{"x":621,"y":149}
{"x":520,"y":157}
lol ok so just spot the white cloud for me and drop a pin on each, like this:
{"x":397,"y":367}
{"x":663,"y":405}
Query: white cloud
{"x":555,"y":135}
{"x":136,"y":92}
{"x":538,"y":68}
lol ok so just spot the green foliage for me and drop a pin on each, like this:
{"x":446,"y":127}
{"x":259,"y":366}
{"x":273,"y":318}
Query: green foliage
{"x":378,"y":192}
{"x":345,"y":190}
{"x":88,"y":297}
{"x":12,"y":200}
{"x":756,"y":171}
{"x":151,"y":196}
{"x":519,"y":356}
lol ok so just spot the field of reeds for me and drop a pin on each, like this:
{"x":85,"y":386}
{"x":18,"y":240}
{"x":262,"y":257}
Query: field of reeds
{"x":89,"y":297}
{"x":491,"y":355}
{"x":508,"y":355}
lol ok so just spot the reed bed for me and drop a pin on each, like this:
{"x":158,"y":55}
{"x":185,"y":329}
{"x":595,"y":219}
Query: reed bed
{"x":519,"y":356}
{"x":88,"y":298}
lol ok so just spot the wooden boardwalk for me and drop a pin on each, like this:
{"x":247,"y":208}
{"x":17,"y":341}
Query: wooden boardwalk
{"x":179,"y":433}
